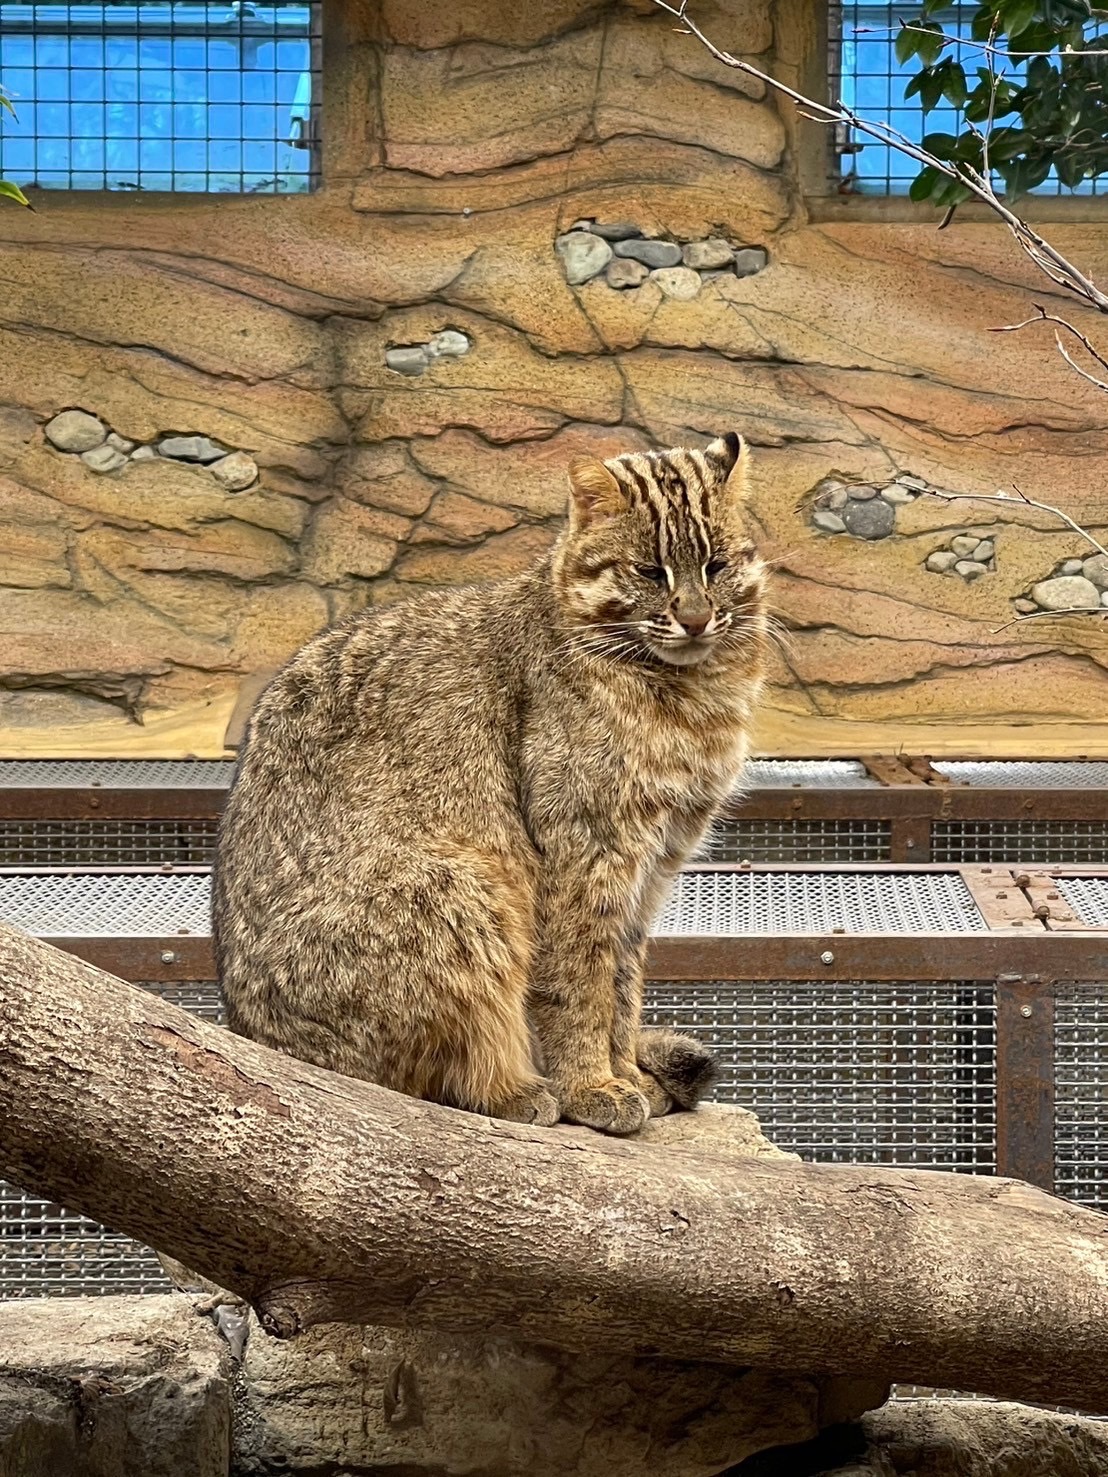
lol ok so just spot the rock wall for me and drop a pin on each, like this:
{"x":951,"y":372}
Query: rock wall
{"x":543,"y":230}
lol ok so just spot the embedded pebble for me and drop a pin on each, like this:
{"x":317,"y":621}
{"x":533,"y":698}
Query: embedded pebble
{"x":75,"y":430}
{"x":650,"y":253}
{"x":681,"y":283}
{"x":615,"y":231}
{"x":970,"y":569}
{"x":1025,"y":606}
{"x":1066,"y":592}
{"x":120,"y":443}
{"x":964,"y":544}
{"x":412,"y":359}
{"x":190,"y":449}
{"x":897,"y":494}
{"x":838,"y":498}
{"x":1104,"y":597}
{"x":984,"y":551}
{"x":709,"y":255}
{"x":584,"y":255}
{"x":862,"y":492}
{"x":144,"y":454}
{"x":828,"y":521}
{"x":450,"y":343}
{"x":942,"y":561}
{"x":869,"y":520}
{"x":623,"y":272}
{"x":1071,"y":566}
{"x":913,"y":484}
{"x":236,"y":471}
{"x":1096,"y":569}
{"x":103,"y":458}
{"x":750,"y":259}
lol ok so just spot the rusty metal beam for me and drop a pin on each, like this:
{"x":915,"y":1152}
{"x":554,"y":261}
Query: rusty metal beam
{"x":1025,"y":1079}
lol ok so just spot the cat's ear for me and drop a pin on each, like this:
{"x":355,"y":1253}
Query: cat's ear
{"x":594,"y":492}
{"x":729,"y":456}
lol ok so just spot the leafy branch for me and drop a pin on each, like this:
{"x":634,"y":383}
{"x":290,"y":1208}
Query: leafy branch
{"x":8,"y":191}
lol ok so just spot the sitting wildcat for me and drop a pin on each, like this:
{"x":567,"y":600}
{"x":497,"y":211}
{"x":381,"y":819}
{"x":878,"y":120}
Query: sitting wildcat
{"x":454,"y":818}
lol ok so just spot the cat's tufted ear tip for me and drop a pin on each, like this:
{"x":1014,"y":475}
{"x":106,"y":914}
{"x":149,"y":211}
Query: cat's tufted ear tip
{"x":726,"y":451}
{"x":596,"y":492}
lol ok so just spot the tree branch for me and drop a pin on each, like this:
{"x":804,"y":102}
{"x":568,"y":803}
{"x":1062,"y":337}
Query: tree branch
{"x":321,"y":1199}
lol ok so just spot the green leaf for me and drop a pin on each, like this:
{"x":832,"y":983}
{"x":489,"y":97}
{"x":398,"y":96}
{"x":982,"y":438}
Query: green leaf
{"x":1016,"y":16}
{"x":924,"y":182}
{"x":6,"y":102}
{"x":942,"y":145}
{"x":930,"y":90}
{"x":907,"y":43}
{"x":954,"y":84}
{"x":13,"y":192}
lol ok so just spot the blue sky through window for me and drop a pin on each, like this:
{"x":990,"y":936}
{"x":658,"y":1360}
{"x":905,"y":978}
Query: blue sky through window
{"x":159,"y":96}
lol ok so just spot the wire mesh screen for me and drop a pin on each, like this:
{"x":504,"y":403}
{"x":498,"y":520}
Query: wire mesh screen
{"x":163,"y":95}
{"x":800,"y":841}
{"x":46,"y":1250}
{"x":1081,"y":1093}
{"x":852,"y":1072}
{"x":107,"y":843}
{"x":1020,"y":841}
{"x":865,"y":73}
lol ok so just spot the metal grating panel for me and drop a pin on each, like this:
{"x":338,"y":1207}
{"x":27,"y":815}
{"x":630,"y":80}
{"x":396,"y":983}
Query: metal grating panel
{"x":1088,"y":898}
{"x":852,"y":1072}
{"x":1027,"y":774}
{"x":107,"y":843}
{"x":1081,"y":1093}
{"x":46,"y":1250}
{"x":800,"y":841}
{"x":815,"y":774}
{"x":722,"y":904}
{"x":1020,"y":841}
{"x":106,"y":907}
{"x":115,"y":774}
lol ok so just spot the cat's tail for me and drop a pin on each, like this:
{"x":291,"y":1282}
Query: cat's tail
{"x":684,"y":1066}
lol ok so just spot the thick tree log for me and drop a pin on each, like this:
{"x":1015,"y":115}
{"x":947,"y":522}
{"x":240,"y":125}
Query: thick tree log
{"x":321,"y":1199}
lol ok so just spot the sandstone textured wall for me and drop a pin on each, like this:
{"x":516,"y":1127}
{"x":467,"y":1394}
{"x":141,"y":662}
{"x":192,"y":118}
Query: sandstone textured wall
{"x":403,"y":363}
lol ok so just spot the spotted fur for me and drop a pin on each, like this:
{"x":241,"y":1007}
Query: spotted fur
{"x":454,"y":818}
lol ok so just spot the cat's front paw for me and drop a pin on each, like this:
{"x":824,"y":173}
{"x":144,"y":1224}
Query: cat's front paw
{"x":533,"y":1104}
{"x":652,"y":1090}
{"x":615,"y":1106}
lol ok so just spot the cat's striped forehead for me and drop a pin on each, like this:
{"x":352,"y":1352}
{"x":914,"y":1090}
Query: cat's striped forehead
{"x":674,"y":490}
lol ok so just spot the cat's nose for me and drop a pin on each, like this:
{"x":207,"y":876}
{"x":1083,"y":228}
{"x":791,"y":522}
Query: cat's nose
{"x":695,"y":624}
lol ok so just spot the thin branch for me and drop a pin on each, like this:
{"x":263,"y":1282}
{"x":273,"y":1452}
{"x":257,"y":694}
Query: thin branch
{"x":1042,"y":316}
{"x":971,"y":42}
{"x":1042,"y":615}
{"x":1030,"y":502}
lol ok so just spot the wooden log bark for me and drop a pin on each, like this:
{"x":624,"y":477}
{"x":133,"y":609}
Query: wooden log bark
{"x":321,"y":1199}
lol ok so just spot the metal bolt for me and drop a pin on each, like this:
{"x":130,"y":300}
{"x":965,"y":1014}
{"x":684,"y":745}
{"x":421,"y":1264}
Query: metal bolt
{"x":827,"y":957}
{"x":168,"y":956}
{"x":1025,"y":1011}
{"x":909,"y":845}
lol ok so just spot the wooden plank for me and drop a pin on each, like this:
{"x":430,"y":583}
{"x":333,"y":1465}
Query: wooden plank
{"x":1003,"y":904}
{"x":923,"y":769}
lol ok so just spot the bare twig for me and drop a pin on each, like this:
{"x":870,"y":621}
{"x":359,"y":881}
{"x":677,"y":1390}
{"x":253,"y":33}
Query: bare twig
{"x":1042,"y":615}
{"x":1042,"y":316}
{"x":1021,"y":497}
{"x":970,"y":41}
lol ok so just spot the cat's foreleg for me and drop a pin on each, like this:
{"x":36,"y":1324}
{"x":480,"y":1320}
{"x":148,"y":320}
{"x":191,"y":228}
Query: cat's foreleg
{"x":584,"y":918}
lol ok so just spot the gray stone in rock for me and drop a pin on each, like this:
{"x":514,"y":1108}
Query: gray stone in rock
{"x":897,"y":494}
{"x":450,"y":343}
{"x":1104,"y":597}
{"x":75,"y":430}
{"x":984,"y":551}
{"x":103,"y":458}
{"x":623,"y":273}
{"x":412,"y":359}
{"x":828,"y":521}
{"x":650,"y":253}
{"x":681,"y":283}
{"x":584,"y":255}
{"x":838,"y":498}
{"x":869,"y":520}
{"x":190,"y":449}
{"x":237,"y":471}
{"x":709,"y":255}
{"x":964,"y":544}
{"x":942,"y":561}
{"x":970,"y":569}
{"x":616,"y":230}
{"x":861,"y":492}
{"x":750,"y":259}
{"x":914,"y":484}
{"x":144,"y":454}
{"x":1024,"y":606}
{"x":120,"y":443}
{"x":1096,"y":569}
{"x":1066,"y":592}
{"x":1071,"y":566}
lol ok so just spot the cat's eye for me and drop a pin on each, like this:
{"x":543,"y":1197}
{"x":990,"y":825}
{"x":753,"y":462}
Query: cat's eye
{"x":715,"y":566}
{"x":652,"y":572}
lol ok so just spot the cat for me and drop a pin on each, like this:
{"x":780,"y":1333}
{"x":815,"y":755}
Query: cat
{"x":454,"y":818}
